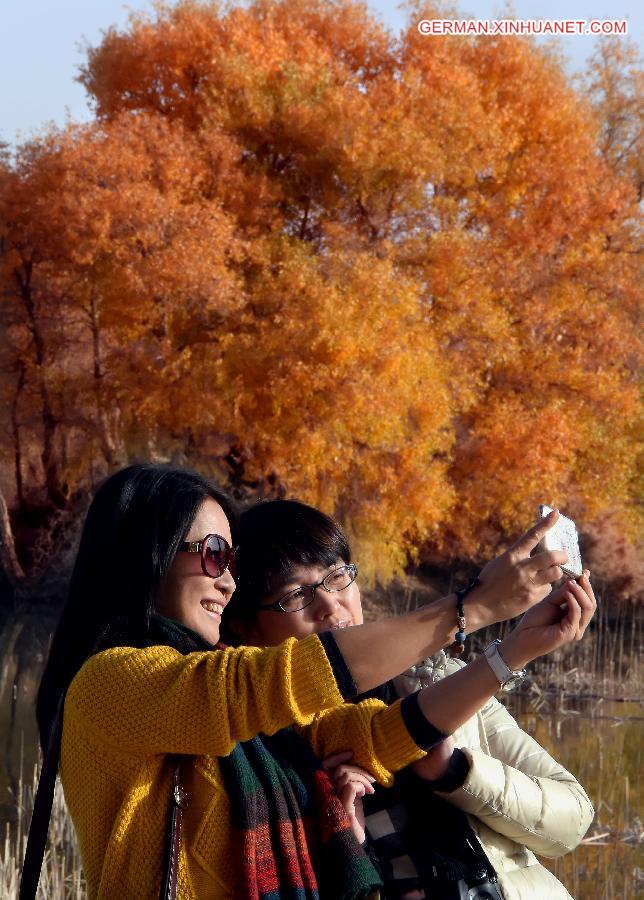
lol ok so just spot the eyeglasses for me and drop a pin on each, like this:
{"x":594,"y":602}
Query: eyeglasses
{"x":216,"y":554}
{"x":303,"y":595}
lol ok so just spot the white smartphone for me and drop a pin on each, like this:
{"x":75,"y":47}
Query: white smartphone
{"x":563,"y":536}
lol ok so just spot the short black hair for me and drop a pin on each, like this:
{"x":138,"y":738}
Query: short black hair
{"x":275,"y":537}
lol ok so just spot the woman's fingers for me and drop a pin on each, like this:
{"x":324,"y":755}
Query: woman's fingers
{"x":355,"y":772}
{"x":364,"y":784}
{"x":586,"y":600}
{"x":548,"y":576}
{"x":584,"y":581}
{"x":343,"y":775}
{"x":357,"y":789}
{"x":352,"y":803}
{"x":558,"y":620}
{"x":548,"y":560}
{"x":331,"y":762}
{"x":572,"y":619}
{"x":347,"y":795}
{"x":534,"y":535}
{"x":346,"y":776}
{"x":577,"y":612}
{"x":356,"y":786}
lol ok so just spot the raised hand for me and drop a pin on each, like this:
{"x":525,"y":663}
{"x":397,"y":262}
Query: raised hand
{"x":515,"y":581}
{"x":561,"y":618}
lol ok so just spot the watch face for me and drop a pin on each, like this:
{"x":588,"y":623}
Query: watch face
{"x":512,"y":682}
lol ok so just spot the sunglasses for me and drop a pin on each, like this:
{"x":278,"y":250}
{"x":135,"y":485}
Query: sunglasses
{"x":216,"y":554}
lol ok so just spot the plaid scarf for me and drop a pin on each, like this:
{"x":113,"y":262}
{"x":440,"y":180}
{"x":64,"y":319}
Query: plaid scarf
{"x":290,"y":832}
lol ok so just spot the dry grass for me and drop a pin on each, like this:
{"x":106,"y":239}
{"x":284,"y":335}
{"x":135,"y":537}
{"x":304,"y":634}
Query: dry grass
{"x":61,"y":877}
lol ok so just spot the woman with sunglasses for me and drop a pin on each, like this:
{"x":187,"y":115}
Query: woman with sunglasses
{"x":135,"y":679}
{"x":465,"y":820}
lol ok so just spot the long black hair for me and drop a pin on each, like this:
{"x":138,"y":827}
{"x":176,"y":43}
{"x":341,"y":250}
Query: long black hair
{"x":274,"y":537}
{"x":134,"y":526}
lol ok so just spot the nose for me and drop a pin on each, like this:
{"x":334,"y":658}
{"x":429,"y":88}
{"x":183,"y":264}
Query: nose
{"x":226,"y":582}
{"x":325,"y":602}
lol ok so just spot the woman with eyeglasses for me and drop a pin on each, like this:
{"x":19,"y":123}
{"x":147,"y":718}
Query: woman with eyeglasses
{"x":136,"y":680}
{"x":465,"y":821}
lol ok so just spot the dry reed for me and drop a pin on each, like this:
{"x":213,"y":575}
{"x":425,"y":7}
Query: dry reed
{"x":61,"y":877}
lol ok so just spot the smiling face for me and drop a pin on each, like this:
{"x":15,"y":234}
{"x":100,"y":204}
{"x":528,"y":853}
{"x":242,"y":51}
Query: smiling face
{"x":186,"y":594}
{"x":329,"y":610}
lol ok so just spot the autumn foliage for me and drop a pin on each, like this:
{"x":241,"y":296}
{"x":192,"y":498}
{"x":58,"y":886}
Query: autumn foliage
{"x":397,"y":279}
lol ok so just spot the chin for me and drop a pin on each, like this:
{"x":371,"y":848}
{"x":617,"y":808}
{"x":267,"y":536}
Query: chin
{"x":210,"y":635}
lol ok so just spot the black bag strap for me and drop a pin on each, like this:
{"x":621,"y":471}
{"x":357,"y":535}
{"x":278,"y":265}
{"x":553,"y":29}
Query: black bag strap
{"x":43,"y":802}
{"x":39,"y":827}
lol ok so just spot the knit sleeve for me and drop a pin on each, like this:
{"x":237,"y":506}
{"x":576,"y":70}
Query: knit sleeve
{"x":156,"y":700}
{"x":376,"y":733}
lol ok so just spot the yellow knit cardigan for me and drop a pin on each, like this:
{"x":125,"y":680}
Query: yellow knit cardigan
{"x":128,"y":708}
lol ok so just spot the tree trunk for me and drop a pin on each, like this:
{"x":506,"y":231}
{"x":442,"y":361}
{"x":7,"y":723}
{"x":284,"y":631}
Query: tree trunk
{"x":107,"y":422}
{"x":55,"y":490}
{"x":8,"y":558}
{"x":15,"y":432}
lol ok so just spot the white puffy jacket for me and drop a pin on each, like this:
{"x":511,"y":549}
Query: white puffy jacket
{"x":519,"y":800}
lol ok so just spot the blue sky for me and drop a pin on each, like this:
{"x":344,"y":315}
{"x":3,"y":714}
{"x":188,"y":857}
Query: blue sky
{"x":41,"y":46}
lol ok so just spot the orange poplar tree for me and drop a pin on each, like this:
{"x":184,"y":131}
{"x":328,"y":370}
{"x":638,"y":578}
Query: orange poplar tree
{"x":396,"y":278}
{"x":114,"y":269}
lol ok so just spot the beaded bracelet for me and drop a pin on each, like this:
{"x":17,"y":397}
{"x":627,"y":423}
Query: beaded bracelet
{"x":458,"y":646}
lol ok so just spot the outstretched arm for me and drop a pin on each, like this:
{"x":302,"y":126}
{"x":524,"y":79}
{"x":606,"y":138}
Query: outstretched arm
{"x":385,"y":739}
{"x":510,"y":584}
{"x":558,"y":620}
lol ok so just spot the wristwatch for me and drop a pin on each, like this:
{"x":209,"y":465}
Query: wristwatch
{"x":507,"y":678}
